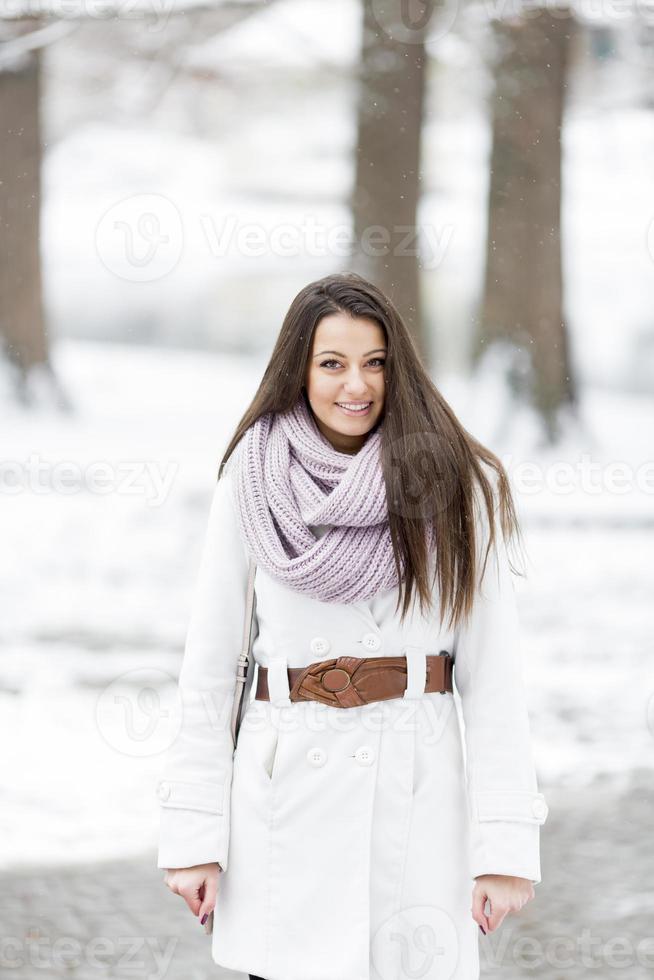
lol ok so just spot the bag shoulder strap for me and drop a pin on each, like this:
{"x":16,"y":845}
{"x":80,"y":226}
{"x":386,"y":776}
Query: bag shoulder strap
{"x":244,"y":656}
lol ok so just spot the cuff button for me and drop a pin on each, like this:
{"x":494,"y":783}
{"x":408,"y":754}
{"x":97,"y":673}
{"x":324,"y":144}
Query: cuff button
{"x":164,"y":791}
{"x":539,"y":808}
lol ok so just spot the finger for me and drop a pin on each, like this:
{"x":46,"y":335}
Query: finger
{"x":210,"y":893}
{"x":478,"y":901}
{"x":170,"y":880}
{"x":192,"y":898}
{"x":496,"y":916}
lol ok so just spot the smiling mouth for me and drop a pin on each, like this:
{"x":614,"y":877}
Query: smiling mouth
{"x":354,"y":408}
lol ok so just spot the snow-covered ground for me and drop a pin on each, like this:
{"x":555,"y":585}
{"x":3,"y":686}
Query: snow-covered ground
{"x":101,"y":541}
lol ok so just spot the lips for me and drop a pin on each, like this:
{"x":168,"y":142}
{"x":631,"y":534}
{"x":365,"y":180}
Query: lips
{"x":354,"y":411}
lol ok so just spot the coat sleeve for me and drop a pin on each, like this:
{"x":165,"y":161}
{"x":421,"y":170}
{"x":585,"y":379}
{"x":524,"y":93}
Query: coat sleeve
{"x":505,"y":807}
{"x":194,"y":790}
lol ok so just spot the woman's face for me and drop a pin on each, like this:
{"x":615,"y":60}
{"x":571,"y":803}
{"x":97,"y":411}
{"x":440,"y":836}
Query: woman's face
{"x":346,"y":367}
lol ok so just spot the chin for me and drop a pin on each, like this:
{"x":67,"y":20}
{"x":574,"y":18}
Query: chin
{"x":350,"y":423}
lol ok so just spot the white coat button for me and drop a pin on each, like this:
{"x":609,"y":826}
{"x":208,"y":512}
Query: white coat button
{"x":164,"y":791}
{"x":371,"y":641}
{"x":320,"y":645}
{"x":364,"y":755}
{"x":539,"y":808}
{"x":316,"y":756}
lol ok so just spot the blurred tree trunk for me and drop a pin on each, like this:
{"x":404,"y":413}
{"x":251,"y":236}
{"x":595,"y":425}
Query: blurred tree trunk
{"x":523,"y":290}
{"x":387,"y":182}
{"x":22,"y":326}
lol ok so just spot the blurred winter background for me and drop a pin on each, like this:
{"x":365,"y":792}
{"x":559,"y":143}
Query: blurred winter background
{"x":172,"y":173}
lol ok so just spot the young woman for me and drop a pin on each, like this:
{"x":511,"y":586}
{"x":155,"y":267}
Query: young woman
{"x":358,"y":829}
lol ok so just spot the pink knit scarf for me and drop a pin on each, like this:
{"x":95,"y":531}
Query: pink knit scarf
{"x":288,"y":477}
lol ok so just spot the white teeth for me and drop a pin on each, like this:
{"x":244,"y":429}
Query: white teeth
{"x":354,"y":408}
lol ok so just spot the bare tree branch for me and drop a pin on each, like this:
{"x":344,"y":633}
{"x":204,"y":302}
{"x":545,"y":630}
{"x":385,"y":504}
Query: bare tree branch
{"x":13,"y":10}
{"x":15,"y":48}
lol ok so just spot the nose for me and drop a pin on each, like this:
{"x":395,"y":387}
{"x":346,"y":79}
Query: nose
{"x":355,"y":384}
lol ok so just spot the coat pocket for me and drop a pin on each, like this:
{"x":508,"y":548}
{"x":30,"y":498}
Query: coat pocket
{"x":271,"y":754}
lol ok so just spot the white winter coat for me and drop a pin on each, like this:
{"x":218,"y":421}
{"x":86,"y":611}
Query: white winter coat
{"x":349,"y":837}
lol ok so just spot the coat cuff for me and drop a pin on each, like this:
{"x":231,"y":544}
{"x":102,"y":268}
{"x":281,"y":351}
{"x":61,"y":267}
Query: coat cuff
{"x":194,"y":823}
{"x":505,"y":833}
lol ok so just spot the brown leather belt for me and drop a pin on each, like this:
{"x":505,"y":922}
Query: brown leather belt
{"x":345,"y":682}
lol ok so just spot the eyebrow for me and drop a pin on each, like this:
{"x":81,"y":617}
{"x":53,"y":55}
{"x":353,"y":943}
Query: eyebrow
{"x":345,"y":355}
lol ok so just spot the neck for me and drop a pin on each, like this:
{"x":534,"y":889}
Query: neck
{"x":340,"y":441}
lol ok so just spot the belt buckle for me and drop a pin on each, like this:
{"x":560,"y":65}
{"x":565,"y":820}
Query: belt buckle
{"x":322,"y":681}
{"x":334,"y":686}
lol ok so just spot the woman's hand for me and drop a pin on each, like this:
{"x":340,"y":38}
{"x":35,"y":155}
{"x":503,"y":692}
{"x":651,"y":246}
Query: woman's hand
{"x":505,"y":894}
{"x":198,"y":886}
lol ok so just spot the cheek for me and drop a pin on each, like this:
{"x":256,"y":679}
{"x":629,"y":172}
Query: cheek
{"x":322,"y":387}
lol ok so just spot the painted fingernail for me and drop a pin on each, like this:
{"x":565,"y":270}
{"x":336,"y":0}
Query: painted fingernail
{"x":204,"y":918}
{"x":483,"y":930}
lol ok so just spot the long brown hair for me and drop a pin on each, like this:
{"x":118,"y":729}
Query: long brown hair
{"x":429,"y":461}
